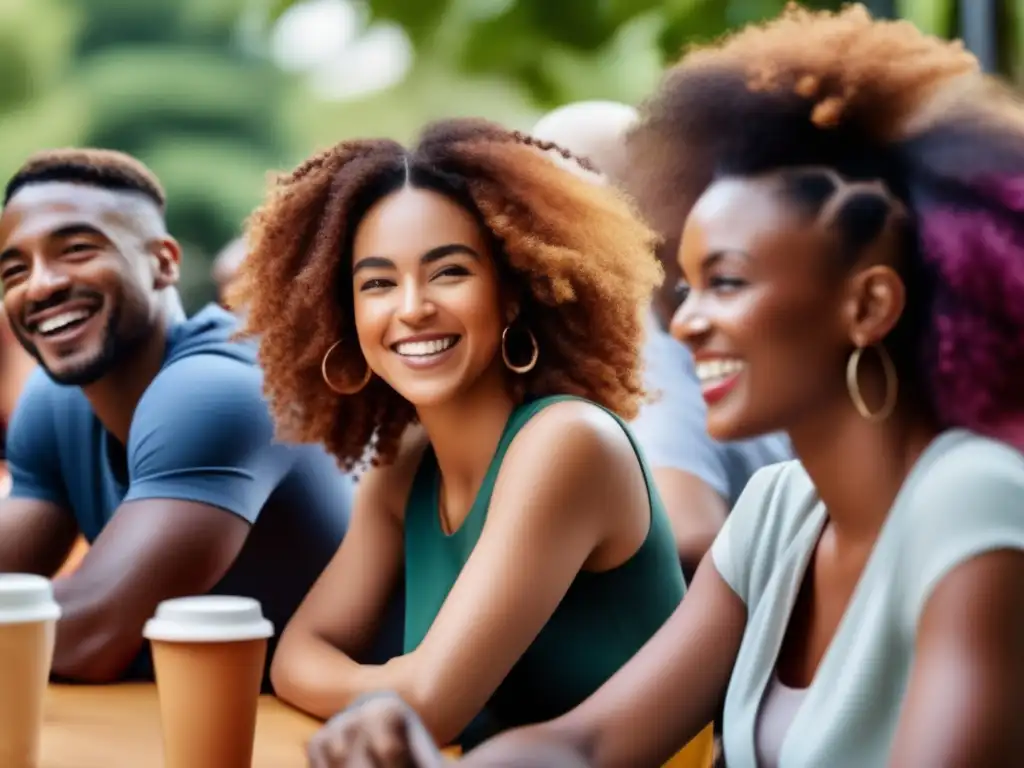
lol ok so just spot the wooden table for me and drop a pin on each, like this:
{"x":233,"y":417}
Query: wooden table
{"x":118,"y":726}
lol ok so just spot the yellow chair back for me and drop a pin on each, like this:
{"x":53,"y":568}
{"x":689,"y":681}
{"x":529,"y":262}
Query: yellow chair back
{"x":699,"y":753}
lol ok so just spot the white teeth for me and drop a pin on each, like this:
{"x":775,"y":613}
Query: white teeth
{"x":713,"y":370}
{"x":425,"y":348}
{"x":58,"y":322}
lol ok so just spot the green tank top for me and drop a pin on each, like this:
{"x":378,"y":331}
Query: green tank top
{"x":601,"y":623}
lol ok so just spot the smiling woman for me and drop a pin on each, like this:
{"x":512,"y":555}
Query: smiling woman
{"x":466,"y":314}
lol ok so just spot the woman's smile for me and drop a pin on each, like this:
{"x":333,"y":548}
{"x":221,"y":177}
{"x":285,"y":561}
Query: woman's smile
{"x":426,"y":350}
{"x":718,"y":376}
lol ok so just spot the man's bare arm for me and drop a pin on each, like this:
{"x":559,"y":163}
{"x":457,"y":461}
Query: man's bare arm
{"x":35,"y":536}
{"x":696,"y":511}
{"x":151,"y":550}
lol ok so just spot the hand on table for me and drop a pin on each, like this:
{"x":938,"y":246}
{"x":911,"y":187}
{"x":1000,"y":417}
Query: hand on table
{"x":379,"y":731}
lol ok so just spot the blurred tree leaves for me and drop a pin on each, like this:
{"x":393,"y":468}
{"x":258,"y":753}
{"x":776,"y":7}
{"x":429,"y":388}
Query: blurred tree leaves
{"x":546,"y":45}
{"x":166,"y":80}
{"x":175,"y":82}
{"x":937,"y":17}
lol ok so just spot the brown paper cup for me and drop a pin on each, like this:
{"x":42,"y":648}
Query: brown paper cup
{"x":208,"y":655}
{"x":208,"y":697}
{"x":28,"y":630}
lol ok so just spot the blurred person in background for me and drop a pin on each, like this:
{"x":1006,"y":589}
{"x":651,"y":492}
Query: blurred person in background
{"x":16,"y":365}
{"x":225,"y":268}
{"x":853,"y":241}
{"x":143,"y":430}
{"x":470,"y":310}
{"x":699,"y":478}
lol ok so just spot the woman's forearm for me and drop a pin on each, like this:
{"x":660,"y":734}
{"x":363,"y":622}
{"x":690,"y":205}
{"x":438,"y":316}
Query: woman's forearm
{"x":537,"y":746}
{"x":314,"y":676}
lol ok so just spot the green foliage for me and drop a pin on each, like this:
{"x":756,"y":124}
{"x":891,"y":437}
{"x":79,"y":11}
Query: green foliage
{"x":1013,"y":40}
{"x":546,"y":45}
{"x":172,"y":82}
{"x":937,"y":17}
{"x":35,"y":42}
{"x":165,"y":80}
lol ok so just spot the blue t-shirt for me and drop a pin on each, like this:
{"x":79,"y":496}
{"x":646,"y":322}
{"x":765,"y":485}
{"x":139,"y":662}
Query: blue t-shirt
{"x":201,"y":432}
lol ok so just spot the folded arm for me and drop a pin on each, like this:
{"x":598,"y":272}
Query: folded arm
{"x":554,"y":517}
{"x":35,"y":536}
{"x":152,"y":550}
{"x":315,"y":667}
{"x":675,"y":685}
{"x":201,"y":467}
{"x":661,"y":699}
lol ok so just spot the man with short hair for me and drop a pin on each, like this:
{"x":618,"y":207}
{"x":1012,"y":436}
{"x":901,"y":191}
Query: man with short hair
{"x":698,"y":478}
{"x":143,"y":430}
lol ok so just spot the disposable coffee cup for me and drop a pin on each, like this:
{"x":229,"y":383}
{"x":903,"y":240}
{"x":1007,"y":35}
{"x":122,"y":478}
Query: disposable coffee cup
{"x":208,"y":655}
{"x":28,"y":630}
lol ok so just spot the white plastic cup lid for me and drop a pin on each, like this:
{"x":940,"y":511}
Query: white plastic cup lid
{"x":208,"y":619}
{"x":26,"y":598}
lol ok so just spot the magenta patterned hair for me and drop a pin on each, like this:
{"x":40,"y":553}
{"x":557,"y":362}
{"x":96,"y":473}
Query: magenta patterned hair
{"x":973,"y":237}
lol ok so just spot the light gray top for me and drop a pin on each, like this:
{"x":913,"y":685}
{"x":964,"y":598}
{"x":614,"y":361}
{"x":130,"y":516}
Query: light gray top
{"x":672,"y":429}
{"x":964,"y":497}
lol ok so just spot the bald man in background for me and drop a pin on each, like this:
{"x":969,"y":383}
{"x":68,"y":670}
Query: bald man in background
{"x":225,"y":267}
{"x":698,"y":478}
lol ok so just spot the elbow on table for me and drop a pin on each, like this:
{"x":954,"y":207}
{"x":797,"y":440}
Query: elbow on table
{"x":287,"y":678}
{"x":298,"y":678}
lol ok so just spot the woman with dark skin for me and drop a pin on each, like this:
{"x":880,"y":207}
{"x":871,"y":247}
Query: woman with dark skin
{"x":853,"y":198}
{"x":467,"y":315}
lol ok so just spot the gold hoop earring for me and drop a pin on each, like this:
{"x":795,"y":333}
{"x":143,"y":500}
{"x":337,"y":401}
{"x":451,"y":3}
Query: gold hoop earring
{"x":342,"y":390}
{"x":533,"y":357}
{"x":891,"y":384}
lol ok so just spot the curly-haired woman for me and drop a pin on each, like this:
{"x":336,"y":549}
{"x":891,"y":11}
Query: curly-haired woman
{"x":467,"y":315}
{"x":853,"y":198}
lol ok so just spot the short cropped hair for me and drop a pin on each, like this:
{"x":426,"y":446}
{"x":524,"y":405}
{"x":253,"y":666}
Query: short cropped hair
{"x":104,"y":168}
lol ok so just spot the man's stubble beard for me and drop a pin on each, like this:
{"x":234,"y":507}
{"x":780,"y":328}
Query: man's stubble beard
{"x":112,"y":351}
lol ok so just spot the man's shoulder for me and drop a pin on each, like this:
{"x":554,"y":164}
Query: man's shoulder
{"x":204,"y":358}
{"x":211,"y":331}
{"x":216,"y":388}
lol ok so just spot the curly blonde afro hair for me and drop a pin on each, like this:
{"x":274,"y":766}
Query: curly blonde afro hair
{"x":572,"y":249}
{"x":881,"y":101}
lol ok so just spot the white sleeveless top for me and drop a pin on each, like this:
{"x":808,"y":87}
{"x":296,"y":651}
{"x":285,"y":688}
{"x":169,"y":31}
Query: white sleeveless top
{"x":964,"y":497}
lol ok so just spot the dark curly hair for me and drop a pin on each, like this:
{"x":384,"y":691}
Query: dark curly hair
{"x":578,"y":259}
{"x":104,"y":168}
{"x":871,"y":100}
